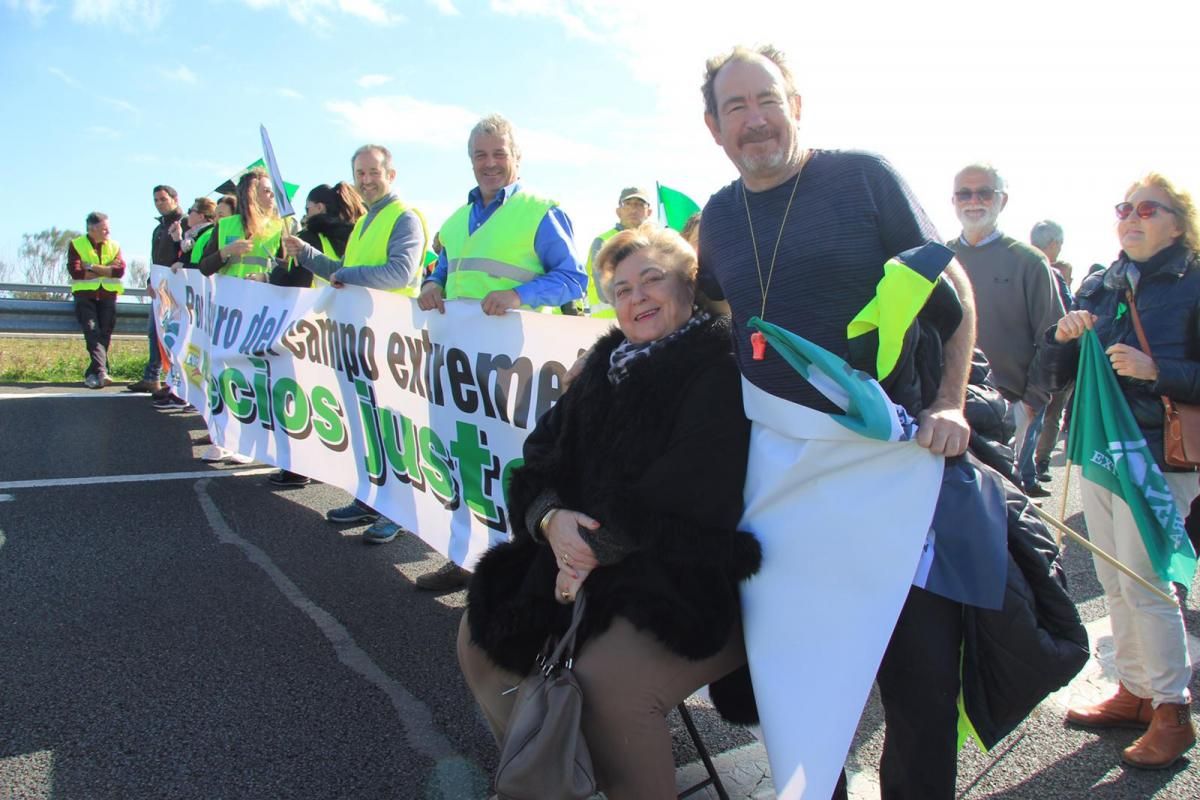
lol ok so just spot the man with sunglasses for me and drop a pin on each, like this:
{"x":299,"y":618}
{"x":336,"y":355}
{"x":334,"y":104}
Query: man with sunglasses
{"x":1016,"y":301}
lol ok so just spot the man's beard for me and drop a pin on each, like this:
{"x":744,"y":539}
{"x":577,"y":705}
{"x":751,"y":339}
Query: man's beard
{"x":771,"y":162}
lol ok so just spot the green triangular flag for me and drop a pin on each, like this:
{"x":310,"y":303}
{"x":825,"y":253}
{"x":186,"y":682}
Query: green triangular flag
{"x":675,"y":206}
{"x":1111,"y":451}
{"x":230,"y":186}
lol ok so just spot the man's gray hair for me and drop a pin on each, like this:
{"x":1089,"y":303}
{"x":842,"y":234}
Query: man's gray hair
{"x":1045,"y":233}
{"x":385,"y":155}
{"x":96,"y":217}
{"x":495,"y":125}
{"x":742,"y":53}
{"x":987,"y":168}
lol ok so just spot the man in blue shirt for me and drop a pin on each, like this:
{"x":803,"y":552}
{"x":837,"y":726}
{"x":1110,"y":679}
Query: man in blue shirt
{"x":496,"y":160}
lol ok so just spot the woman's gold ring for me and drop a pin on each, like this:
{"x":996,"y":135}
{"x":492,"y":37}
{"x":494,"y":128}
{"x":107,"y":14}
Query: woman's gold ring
{"x":566,"y":595}
{"x":566,"y":559}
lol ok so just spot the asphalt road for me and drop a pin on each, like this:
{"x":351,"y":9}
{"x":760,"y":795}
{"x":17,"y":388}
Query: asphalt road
{"x":196,"y":632}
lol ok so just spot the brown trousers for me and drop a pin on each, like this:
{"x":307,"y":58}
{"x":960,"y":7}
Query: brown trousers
{"x":630,"y":682}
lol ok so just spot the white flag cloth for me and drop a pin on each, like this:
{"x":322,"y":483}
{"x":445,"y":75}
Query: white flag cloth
{"x":842,"y":520}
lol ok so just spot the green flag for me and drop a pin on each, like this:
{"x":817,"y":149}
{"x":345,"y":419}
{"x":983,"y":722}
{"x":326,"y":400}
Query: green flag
{"x":675,"y":206}
{"x":1111,"y":451}
{"x":230,"y":186}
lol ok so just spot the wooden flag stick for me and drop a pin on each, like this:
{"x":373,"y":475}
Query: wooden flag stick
{"x":1062,"y":511}
{"x":1050,"y":520}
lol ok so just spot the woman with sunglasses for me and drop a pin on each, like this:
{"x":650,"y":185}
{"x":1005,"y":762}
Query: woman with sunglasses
{"x":1157,"y":267}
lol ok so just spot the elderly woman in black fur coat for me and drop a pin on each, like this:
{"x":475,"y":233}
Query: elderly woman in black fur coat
{"x":632,"y":489}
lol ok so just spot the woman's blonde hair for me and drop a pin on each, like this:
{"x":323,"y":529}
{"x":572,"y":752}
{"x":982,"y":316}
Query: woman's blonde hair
{"x":1181,"y":202}
{"x":677,"y":255}
{"x":254,"y":216}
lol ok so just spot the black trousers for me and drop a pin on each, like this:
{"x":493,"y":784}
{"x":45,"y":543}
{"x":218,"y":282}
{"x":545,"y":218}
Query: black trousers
{"x":918,"y":685}
{"x":97,"y":317}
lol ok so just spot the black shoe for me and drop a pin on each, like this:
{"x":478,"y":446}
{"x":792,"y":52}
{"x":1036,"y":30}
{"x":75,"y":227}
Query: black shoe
{"x":170,"y":401}
{"x":1036,"y":491}
{"x":447,"y":579}
{"x":285,"y":478}
{"x":1043,"y":471}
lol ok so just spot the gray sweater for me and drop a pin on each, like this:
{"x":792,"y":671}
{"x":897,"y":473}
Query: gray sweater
{"x":1016,"y":301}
{"x":405,"y":255}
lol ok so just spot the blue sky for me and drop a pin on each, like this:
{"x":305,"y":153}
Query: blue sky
{"x":105,"y":98}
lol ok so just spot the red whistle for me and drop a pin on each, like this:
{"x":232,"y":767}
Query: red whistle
{"x":758,"y":344}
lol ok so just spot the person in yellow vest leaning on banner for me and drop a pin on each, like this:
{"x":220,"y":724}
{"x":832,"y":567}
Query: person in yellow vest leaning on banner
{"x":247,"y":244}
{"x":508,"y":247}
{"x":385,"y":251}
{"x":96,"y":267}
{"x":634,"y":207}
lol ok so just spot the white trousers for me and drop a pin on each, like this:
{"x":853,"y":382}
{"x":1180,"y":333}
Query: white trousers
{"x":1148,"y":634}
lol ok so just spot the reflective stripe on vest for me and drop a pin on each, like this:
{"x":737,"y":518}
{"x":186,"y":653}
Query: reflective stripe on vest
{"x":597,"y":307}
{"x":198,"y":246}
{"x":369,"y":248}
{"x":500,"y":253}
{"x":261,"y":256}
{"x":88,"y":255}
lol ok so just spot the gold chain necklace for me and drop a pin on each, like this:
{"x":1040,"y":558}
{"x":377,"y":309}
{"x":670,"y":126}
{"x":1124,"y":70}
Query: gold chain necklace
{"x":758,"y":342}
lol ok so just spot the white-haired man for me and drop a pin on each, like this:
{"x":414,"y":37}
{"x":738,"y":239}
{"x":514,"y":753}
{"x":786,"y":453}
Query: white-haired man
{"x":1018,"y":302}
{"x":507,"y":248}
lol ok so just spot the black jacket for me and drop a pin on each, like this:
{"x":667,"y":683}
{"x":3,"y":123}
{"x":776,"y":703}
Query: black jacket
{"x":335,"y":229}
{"x":1168,"y":302}
{"x":659,"y":459}
{"x":1016,"y":656}
{"x":164,"y":250}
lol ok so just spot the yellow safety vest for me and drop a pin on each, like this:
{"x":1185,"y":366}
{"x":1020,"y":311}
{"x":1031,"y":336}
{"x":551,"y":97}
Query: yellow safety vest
{"x":260,"y":258}
{"x":596,"y":306}
{"x":87,"y":252}
{"x":201,"y":242}
{"x":499,"y":254}
{"x":368,"y":248}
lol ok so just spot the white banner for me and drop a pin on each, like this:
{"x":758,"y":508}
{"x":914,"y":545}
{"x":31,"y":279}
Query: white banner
{"x":419,"y":415}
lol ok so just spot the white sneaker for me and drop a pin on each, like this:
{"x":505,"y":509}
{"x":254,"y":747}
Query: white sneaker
{"x":213,"y":453}
{"x":237,"y":458}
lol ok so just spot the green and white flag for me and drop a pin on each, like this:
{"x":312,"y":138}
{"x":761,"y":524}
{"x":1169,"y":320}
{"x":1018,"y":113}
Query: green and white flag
{"x":1111,"y":451}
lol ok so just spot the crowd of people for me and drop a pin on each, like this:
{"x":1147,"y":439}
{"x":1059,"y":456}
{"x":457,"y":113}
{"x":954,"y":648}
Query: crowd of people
{"x":621,"y":496}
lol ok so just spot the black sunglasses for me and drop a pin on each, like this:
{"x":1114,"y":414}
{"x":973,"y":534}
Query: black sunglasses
{"x":986,"y":195}
{"x":1145,"y":209}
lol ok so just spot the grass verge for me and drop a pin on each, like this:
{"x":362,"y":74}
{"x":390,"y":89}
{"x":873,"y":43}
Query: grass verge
{"x":62,"y":359}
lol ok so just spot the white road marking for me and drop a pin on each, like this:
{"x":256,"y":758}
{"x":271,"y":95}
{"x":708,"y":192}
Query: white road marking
{"x":6,"y":498}
{"x":68,"y":395}
{"x":52,"y":483}
{"x":454,"y":774}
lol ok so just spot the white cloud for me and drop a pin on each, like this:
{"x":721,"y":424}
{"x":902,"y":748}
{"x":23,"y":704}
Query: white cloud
{"x":407,"y":120}
{"x":64,"y":77}
{"x":445,"y":7}
{"x":369,"y":81}
{"x":127,"y":14}
{"x":122,"y":105}
{"x":291,"y":94}
{"x":370,"y":10}
{"x":36,"y":9}
{"x":181,"y":74}
{"x":556,"y":10}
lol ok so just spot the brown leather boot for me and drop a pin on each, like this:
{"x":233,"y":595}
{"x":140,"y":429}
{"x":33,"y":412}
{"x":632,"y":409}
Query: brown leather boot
{"x":1170,"y":735}
{"x":1123,"y":710}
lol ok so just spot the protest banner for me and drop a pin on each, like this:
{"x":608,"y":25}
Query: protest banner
{"x":420,"y":415}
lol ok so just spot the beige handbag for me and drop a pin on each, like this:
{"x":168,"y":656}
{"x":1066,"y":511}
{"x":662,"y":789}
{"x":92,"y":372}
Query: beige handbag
{"x":544,"y":754}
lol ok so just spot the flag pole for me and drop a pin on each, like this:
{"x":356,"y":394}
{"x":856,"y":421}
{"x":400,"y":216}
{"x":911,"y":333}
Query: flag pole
{"x":1059,"y":525}
{"x":1062,"y":511}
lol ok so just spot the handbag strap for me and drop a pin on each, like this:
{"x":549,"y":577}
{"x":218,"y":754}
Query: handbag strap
{"x":1141,"y":336}
{"x":564,"y":652}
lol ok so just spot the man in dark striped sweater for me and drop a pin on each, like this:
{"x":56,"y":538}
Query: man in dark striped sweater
{"x":801,"y":240}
